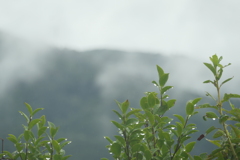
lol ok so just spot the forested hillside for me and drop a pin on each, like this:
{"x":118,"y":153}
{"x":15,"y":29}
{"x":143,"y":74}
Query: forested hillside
{"x":77,"y":90}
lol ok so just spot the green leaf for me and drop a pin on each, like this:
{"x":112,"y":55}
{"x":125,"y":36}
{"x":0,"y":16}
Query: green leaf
{"x":147,"y":154}
{"x":160,"y":71}
{"x":12,"y":138}
{"x":214,"y":60}
{"x":196,"y":100}
{"x":24,"y":115}
{"x":125,"y":106}
{"x":236,"y":131}
{"x":118,"y":114}
{"x":210,"y":67}
{"x":104,"y":159}
{"x":151,"y":100}
{"x":131,"y":121}
{"x":133,"y":111}
{"x":121,"y":140}
{"x":228,"y":96}
{"x":223,"y":118}
{"x":150,"y":117}
{"x":155,"y":83}
{"x":179,"y":128}
{"x":171,"y":103}
{"x":53,"y":131}
{"x":42,"y":122}
{"x":165,"y":89}
{"x":197,"y":158}
{"x":109,"y":140}
{"x":41,"y":130}
{"x":56,"y":146}
{"x":189,"y":108}
{"x":66,"y":157}
{"x":36,"y":110}
{"x":116,"y":149}
{"x":144,"y":103}
{"x":208,"y":81}
{"x":119,"y":105}
{"x":29,"y":108}
{"x":33,"y":123}
{"x":206,"y":106}
{"x":190,"y":146}
{"x":163,"y":79}
{"x":118,"y":125}
{"x":26,"y":135}
{"x":215,"y":142}
{"x":226,"y":81}
{"x":162,"y":109}
{"x":180,"y":118}
{"x":217,"y":134}
{"x":210,"y":129}
{"x":211,"y":115}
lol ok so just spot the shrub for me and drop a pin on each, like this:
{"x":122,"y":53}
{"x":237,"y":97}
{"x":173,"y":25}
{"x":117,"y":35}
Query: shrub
{"x":38,"y":145}
{"x":146,"y":134}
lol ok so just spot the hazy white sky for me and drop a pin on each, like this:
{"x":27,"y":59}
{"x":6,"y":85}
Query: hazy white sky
{"x":198,"y":28}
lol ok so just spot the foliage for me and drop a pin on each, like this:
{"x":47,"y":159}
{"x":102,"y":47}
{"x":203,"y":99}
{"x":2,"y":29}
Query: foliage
{"x":146,"y":134}
{"x":37,"y":141}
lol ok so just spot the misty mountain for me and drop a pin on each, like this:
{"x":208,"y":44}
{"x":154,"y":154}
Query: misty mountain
{"x":78,"y":89}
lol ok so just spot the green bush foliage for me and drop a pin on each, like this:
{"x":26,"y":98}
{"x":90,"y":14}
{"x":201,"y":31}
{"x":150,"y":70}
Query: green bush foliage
{"x":37,"y":142}
{"x":146,"y":134}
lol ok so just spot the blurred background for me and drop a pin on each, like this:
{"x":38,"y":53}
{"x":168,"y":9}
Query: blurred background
{"x":75,"y":57}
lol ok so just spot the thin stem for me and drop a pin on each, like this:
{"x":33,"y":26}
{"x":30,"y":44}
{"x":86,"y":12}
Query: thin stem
{"x":219,"y":104}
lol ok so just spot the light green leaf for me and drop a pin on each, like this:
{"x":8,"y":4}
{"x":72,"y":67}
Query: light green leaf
{"x":180,"y":118}
{"x":26,"y":135}
{"x":24,"y":115}
{"x":132,"y":112}
{"x":165,"y":89}
{"x":33,"y":123}
{"x":118,"y":114}
{"x":171,"y":103}
{"x":160,"y":71}
{"x":41,"y":130}
{"x":151,"y":100}
{"x":36,"y":110}
{"x":29,"y":108}
{"x":144,"y":103}
{"x":109,"y":139}
{"x":215,"y":142}
{"x":189,"y":108}
{"x":217,"y":134}
{"x":125,"y":106}
{"x":12,"y":138}
{"x":210,"y":67}
{"x":163,"y":79}
{"x":210,"y":129}
{"x":190,"y":146}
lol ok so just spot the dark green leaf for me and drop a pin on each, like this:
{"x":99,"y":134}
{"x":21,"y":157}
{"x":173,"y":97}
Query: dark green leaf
{"x":26,"y":135}
{"x":56,"y":146}
{"x":150,"y":117}
{"x":116,"y":149}
{"x":118,"y":125}
{"x":211,"y":115}
{"x":121,"y":140}
{"x":41,"y":130}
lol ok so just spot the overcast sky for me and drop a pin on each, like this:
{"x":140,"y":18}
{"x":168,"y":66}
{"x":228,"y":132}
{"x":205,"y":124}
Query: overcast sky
{"x":198,"y":28}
